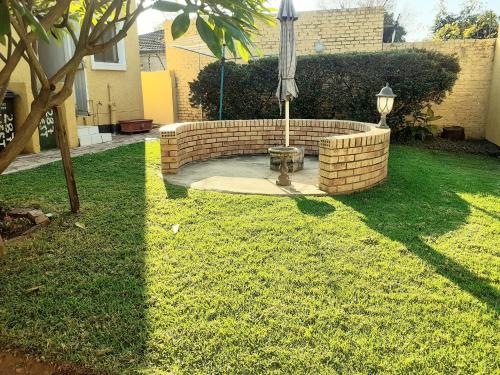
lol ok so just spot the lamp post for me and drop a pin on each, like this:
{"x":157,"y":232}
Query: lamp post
{"x":385,"y":103}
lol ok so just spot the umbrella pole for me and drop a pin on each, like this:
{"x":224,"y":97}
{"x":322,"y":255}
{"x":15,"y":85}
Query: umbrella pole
{"x":287,"y":123}
{"x":221,"y":97}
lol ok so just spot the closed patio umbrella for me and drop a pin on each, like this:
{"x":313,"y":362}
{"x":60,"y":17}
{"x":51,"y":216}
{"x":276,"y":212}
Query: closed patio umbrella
{"x":287,"y":88}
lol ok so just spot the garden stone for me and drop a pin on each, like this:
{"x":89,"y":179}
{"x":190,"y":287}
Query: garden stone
{"x":20,"y":212}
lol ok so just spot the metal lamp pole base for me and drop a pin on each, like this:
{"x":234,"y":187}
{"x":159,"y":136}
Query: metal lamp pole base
{"x":383,"y":122}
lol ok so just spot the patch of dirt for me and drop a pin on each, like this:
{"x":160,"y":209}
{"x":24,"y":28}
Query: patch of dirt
{"x":468,"y":147}
{"x":13,"y":363}
{"x":20,"y":221}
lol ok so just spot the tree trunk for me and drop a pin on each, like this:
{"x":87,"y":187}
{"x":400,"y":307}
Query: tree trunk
{"x":3,"y":249}
{"x":24,"y":132}
{"x":62,"y":142}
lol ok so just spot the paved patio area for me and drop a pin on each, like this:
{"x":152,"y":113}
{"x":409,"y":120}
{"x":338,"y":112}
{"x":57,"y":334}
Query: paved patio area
{"x":246,"y":175}
{"x":25,"y":162}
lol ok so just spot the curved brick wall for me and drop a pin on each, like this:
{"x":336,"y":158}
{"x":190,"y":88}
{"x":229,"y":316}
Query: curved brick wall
{"x":353,"y":155}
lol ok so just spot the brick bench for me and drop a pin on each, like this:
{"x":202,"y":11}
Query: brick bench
{"x":353,"y":156}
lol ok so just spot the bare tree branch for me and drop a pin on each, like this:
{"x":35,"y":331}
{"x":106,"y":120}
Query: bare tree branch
{"x":33,"y":61}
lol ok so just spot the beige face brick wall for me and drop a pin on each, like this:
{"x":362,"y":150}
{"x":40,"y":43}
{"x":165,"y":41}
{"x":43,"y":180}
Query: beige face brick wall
{"x":493,"y":126}
{"x":344,"y":30}
{"x":467,"y":105}
{"x":339,"y":30}
{"x":349,"y":31}
{"x":353,"y":156}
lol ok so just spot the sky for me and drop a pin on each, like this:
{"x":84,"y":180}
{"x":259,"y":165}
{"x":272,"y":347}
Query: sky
{"x":416,"y":15}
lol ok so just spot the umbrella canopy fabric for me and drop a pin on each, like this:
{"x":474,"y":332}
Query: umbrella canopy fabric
{"x":287,"y":88}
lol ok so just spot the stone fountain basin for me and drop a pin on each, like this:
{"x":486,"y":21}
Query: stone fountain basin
{"x":282,"y":151}
{"x":295,"y":161}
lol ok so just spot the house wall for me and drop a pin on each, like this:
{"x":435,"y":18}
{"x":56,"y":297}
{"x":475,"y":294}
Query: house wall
{"x":20,"y":84}
{"x":115,"y":95}
{"x":158,"y":95}
{"x":493,"y":123}
{"x":153,"y":62}
{"x":346,"y":30}
{"x":467,"y":105}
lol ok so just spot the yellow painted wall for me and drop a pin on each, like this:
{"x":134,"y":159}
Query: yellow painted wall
{"x":119,"y":89}
{"x":493,"y":125}
{"x":68,"y":111}
{"x":20,"y":84}
{"x":157,"y":91}
{"x":122,"y":89}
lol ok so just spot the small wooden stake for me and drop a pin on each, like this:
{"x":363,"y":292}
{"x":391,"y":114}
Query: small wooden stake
{"x":3,"y":249}
{"x":62,"y":142}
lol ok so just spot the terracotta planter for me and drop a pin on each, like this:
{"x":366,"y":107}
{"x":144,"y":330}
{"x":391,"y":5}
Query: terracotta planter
{"x":136,"y":126}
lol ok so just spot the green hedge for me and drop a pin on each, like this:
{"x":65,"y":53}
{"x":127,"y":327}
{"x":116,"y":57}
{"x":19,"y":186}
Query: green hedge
{"x":339,"y":86}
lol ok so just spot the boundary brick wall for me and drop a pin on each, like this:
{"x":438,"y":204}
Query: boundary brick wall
{"x":340,"y":30}
{"x":493,"y":126}
{"x":353,"y":156}
{"x":467,"y":104}
{"x":357,"y":30}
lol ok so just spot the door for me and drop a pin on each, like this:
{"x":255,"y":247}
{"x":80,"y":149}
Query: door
{"x":7,"y":120}
{"x":82,"y":102}
{"x":47,"y":130}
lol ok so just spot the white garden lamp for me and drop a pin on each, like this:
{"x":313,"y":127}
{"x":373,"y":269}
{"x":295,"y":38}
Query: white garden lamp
{"x":385,"y":103}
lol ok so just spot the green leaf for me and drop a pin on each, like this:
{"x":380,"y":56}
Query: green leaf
{"x":209,"y":37}
{"x":243,"y":50}
{"x":4,"y":18}
{"x":180,"y":25}
{"x":234,"y":31}
{"x":230,"y":44}
{"x":168,"y":6}
{"x":33,"y":22}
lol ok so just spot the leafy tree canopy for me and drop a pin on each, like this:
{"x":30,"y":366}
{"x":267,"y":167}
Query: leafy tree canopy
{"x":26,"y":24}
{"x":472,"y":22}
{"x":394,"y":32}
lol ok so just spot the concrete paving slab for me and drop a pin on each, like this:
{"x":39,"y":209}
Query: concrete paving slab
{"x":246,"y":175}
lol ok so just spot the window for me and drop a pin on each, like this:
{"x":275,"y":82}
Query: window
{"x":112,"y":58}
{"x":109,"y":55}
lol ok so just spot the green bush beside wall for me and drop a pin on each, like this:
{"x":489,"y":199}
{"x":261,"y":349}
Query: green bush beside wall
{"x":339,"y":86}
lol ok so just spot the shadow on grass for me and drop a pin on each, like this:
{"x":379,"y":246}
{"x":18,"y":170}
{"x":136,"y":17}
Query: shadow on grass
{"x":313,"y":207}
{"x":79,"y":295}
{"x":176,"y":191}
{"x":419,"y":201}
{"x":486,"y":212}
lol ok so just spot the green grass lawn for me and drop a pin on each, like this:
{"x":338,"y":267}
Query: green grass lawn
{"x":404,"y":278}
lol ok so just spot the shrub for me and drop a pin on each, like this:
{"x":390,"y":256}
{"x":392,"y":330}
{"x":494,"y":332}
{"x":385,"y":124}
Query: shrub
{"x":339,"y":86}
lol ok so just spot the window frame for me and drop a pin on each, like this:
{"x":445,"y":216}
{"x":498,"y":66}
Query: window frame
{"x":121,"y":65}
